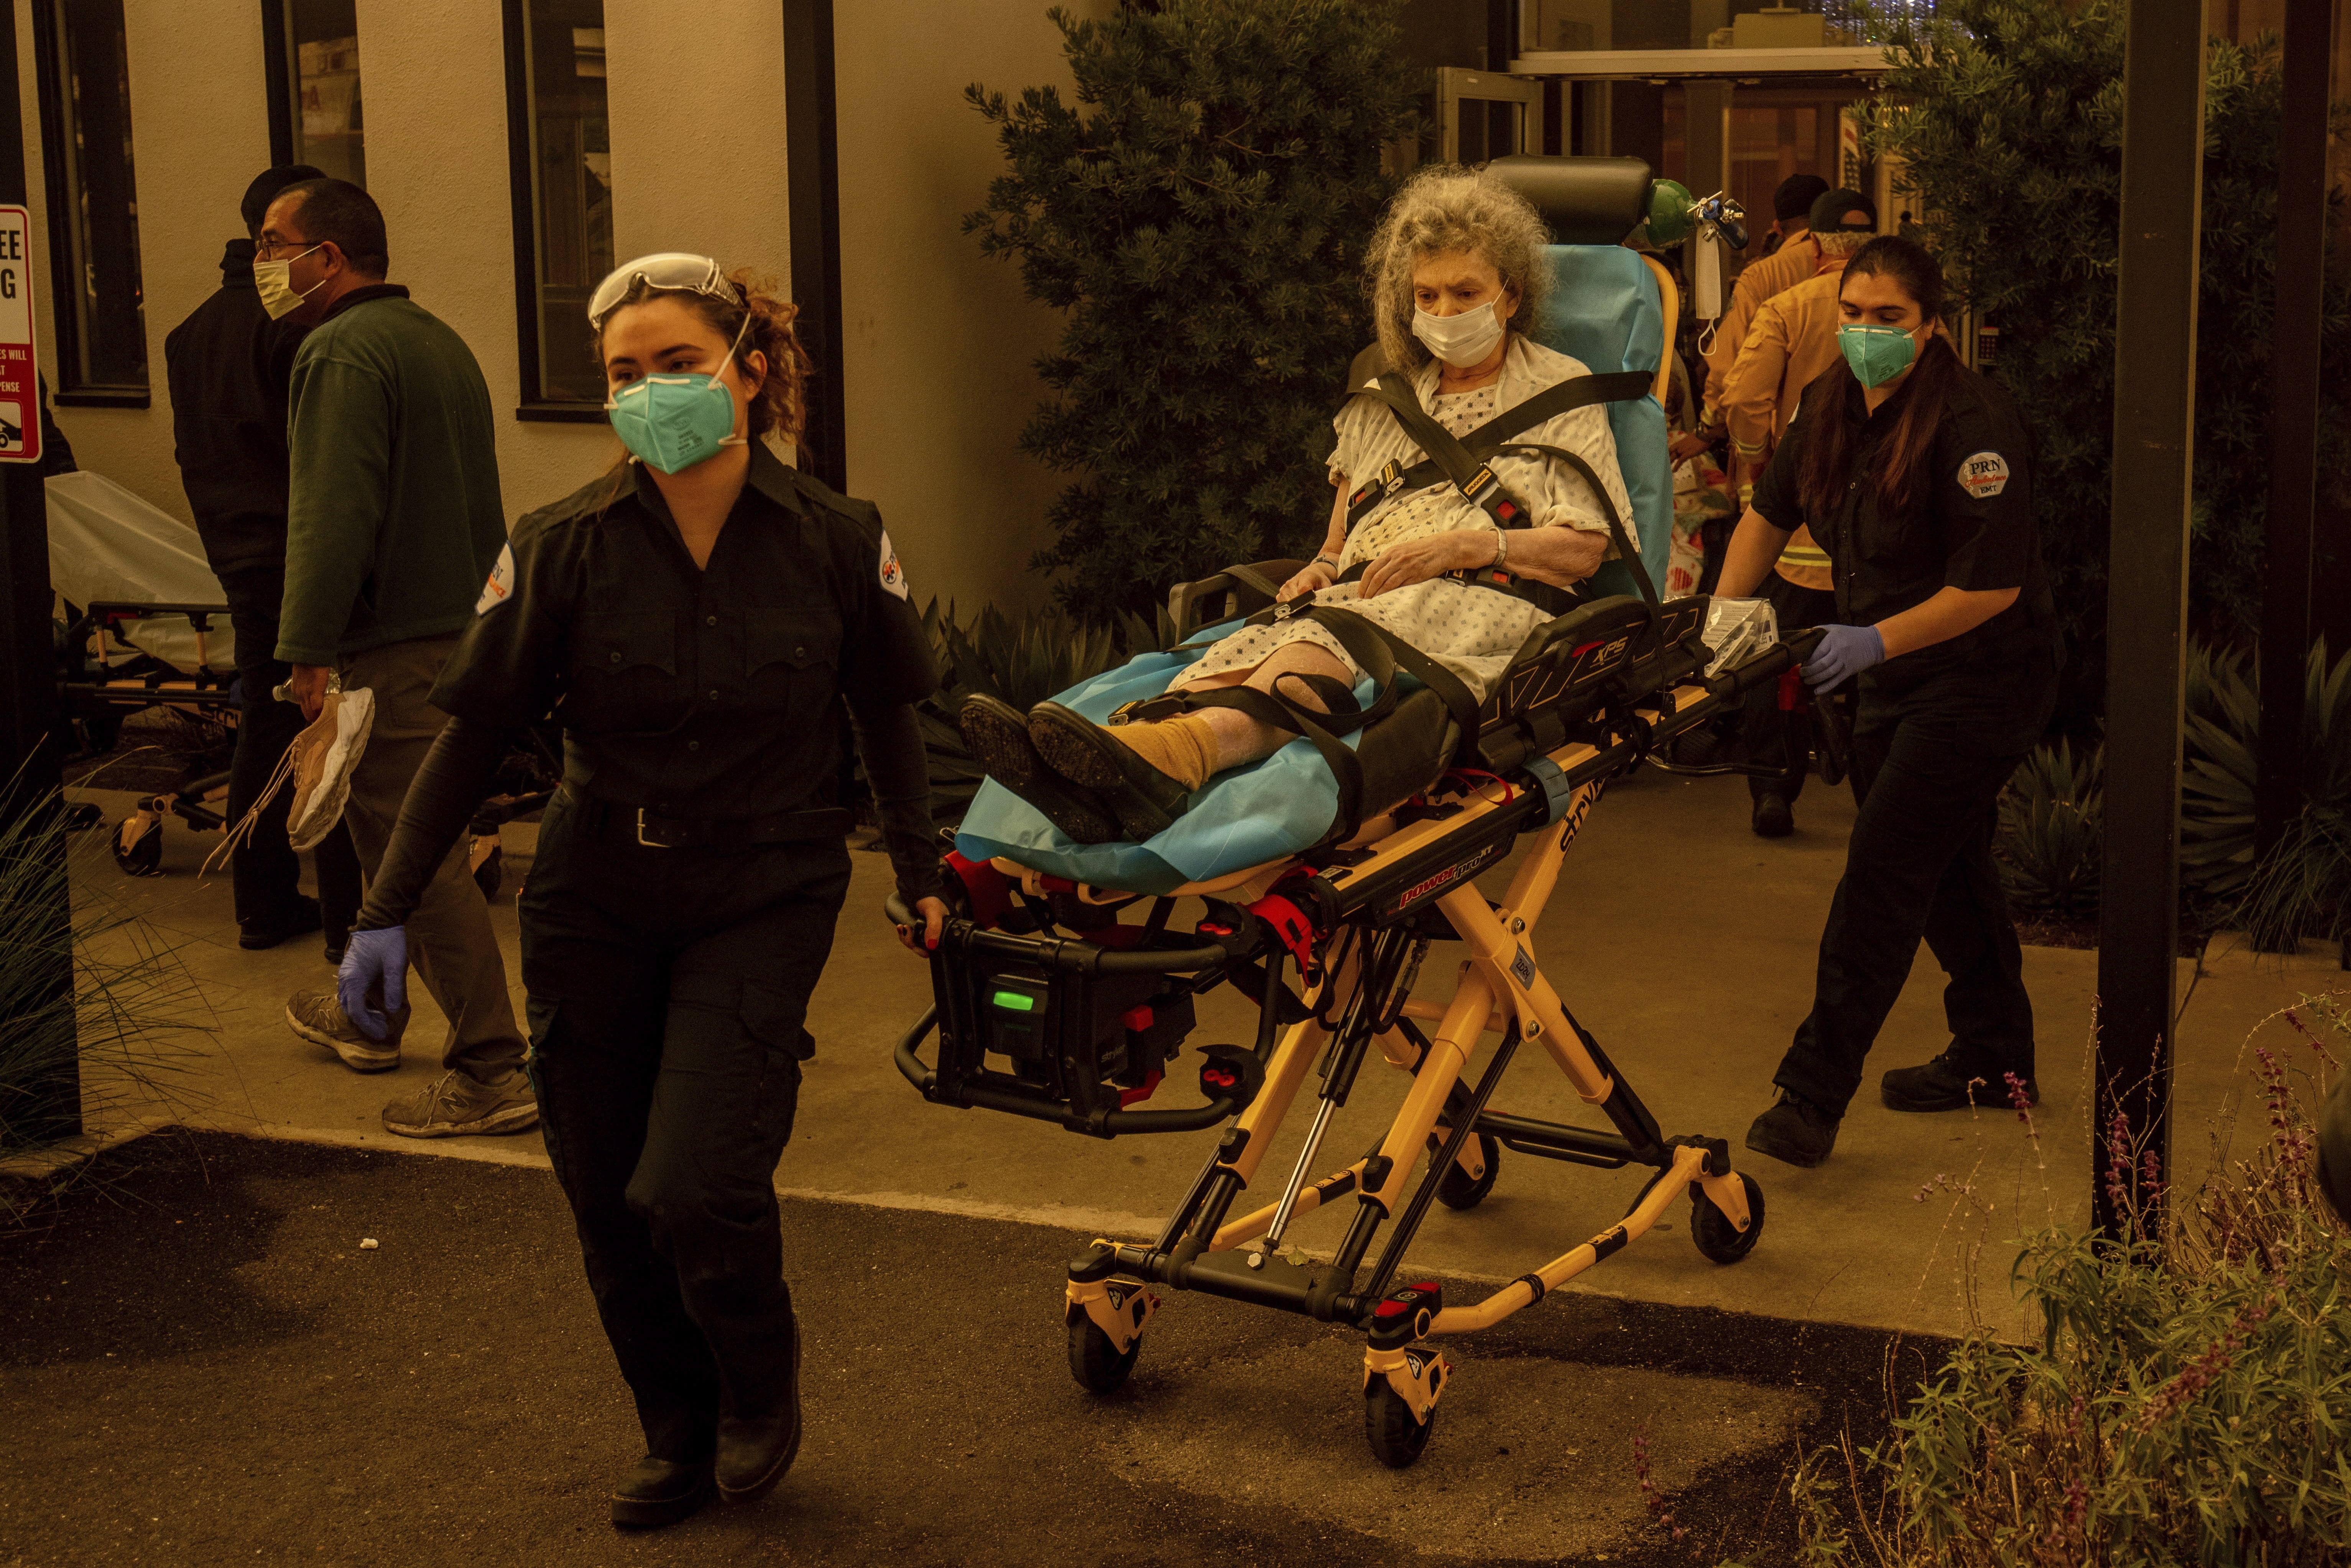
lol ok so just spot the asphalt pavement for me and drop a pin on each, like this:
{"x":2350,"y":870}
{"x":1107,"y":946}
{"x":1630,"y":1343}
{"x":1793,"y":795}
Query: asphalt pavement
{"x":201,"y":1362}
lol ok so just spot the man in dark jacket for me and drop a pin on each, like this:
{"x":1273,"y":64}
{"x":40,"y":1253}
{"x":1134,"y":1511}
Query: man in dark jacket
{"x":228,"y":366}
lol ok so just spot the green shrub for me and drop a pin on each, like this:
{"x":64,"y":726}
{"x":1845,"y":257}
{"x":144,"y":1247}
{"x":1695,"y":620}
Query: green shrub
{"x":2009,"y":116}
{"x":2051,"y":833}
{"x":2222,"y":772}
{"x":2185,"y":1404}
{"x":1201,"y":213}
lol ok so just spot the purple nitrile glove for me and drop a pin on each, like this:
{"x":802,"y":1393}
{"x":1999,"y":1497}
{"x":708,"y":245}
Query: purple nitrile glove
{"x":377,"y":962}
{"x":1843,"y":651}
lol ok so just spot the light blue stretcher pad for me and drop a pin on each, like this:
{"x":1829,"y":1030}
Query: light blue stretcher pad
{"x":1604,"y":311}
{"x":1246,"y":817}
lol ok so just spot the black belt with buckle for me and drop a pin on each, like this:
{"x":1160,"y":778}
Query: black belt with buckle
{"x":659,"y":831}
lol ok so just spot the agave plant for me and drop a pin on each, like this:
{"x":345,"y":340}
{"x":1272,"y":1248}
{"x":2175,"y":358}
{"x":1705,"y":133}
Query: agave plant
{"x":2051,"y":833}
{"x":2223,"y":766}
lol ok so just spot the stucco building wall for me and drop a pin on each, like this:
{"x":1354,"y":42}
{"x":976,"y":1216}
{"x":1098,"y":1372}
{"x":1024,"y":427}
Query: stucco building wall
{"x":939,"y":340}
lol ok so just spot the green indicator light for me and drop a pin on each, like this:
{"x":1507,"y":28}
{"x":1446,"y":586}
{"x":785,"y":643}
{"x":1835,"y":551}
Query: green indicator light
{"x":1014,"y":1002}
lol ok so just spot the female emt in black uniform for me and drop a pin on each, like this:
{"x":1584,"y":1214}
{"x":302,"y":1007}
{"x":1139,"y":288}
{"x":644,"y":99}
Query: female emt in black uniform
{"x":1915,"y":475}
{"x":694,"y":619}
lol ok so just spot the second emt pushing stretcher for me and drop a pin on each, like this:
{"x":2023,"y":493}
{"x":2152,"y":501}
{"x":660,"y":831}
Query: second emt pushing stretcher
{"x":696,"y":619}
{"x":1915,"y":475}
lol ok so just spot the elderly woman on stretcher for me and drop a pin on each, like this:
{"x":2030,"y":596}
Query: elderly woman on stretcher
{"x":1410,"y":573}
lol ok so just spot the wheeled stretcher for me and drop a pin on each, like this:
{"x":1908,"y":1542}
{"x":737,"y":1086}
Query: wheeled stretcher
{"x":1068,"y":1000}
{"x":1048,"y":1006}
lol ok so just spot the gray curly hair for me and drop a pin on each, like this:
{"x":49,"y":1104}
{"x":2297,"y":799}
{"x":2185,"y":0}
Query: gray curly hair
{"x":1447,"y":207}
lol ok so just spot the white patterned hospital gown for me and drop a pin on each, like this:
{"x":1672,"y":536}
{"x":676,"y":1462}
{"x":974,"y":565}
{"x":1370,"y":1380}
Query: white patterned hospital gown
{"x":1473,"y":631}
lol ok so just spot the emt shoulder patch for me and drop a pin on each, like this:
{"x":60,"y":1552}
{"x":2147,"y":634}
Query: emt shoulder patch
{"x":1984,"y":475}
{"x":894,"y":576}
{"x":500,"y":587}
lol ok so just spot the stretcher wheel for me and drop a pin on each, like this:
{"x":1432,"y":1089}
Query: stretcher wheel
{"x":1396,"y":1438}
{"x":1098,"y":1368}
{"x":1721,"y":1241}
{"x":139,"y":845}
{"x":1457,"y":1191}
{"x":490,"y":873}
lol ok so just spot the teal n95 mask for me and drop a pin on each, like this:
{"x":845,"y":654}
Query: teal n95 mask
{"x":673,"y":422}
{"x":1460,"y":340}
{"x":1877,"y":354}
{"x":274,"y":281}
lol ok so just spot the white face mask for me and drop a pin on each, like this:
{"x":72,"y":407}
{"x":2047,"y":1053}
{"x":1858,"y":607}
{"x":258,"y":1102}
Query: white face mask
{"x":274,"y":280}
{"x":1464,"y":339}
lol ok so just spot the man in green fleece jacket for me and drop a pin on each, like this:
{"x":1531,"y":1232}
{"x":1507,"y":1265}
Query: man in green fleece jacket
{"x":393,"y":523}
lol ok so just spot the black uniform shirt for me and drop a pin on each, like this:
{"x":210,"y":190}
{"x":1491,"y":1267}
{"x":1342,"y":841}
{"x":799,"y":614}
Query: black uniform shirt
{"x":699,"y":692}
{"x":1970,"y":526}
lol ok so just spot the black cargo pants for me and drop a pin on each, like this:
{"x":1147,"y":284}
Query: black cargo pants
{"x":668,"y":994}
{"x":1919,"y":865}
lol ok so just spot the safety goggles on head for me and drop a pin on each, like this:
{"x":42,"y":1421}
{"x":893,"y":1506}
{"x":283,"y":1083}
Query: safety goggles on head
{"x":668,"y":269}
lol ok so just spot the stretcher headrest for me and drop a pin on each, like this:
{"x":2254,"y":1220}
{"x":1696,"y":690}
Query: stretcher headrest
{"x":1586,"y":200}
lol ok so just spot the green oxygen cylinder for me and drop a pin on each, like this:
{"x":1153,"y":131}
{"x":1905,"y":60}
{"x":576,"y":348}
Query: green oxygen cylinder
{"x":1669,"y":212}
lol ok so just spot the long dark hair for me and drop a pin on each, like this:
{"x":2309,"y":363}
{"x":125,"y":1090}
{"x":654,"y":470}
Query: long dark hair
{"x":1902,"y":456}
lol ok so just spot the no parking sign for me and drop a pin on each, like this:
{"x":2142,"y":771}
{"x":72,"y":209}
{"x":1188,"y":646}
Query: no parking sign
{"x":20,"y":395}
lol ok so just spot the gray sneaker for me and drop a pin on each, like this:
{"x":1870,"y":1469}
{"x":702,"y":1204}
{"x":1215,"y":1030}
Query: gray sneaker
{"x":317,"y":1015}
{"x":454,"y":1104}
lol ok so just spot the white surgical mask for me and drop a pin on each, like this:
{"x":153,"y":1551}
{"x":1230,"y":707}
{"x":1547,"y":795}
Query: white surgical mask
{"x":274,"y":280}
{"x":1460,"y":340}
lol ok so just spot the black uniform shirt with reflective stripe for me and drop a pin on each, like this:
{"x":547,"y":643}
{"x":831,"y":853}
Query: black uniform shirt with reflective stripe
{"x":1971,"y":525}
{"x":709,"y":693}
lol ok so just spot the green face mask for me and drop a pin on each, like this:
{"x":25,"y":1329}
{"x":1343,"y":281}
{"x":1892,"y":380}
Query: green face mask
{"x":1877,"y":354}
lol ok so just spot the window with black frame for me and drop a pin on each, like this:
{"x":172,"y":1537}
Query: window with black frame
{"x":560,"y":149}
{"x":317,"y":111}
{"x":85,"y":92}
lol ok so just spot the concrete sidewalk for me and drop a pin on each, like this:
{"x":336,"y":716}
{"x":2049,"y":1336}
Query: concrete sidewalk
{"x":1684,"y":944}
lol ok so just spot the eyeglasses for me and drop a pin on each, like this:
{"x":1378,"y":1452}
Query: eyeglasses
{"x":669,"y":270}
{"x":267,"y":249}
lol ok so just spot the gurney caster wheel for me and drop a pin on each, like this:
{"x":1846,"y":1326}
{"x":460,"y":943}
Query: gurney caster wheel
{"x":1457,"y":1191}
{"x":139,"y":845}
{"x":1098,"y":1368}
{"x":1396,"y":1438}
{"x":1721,"y":1241}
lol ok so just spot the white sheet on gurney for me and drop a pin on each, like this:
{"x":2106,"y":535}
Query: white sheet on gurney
{"x":106,"y":544}
{"x":1245,"y":817}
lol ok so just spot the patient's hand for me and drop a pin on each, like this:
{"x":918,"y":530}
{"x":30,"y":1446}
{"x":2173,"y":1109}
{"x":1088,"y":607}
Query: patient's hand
{"x":1317,"y":576}
{"x":1417,"y":560}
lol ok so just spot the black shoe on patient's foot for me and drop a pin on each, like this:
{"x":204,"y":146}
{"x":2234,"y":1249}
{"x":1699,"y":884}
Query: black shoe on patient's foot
{"x":1772,"y":818}
{"x":1795,"y":1132}
{"x":1146,"y":801}
{"x":1949,"y":1084}
{"x":997,"y":734}
{"x":661,"y":1491}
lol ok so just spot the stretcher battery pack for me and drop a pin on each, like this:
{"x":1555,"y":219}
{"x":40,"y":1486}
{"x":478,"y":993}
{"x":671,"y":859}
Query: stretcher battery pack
{"x":1085,"y":1037}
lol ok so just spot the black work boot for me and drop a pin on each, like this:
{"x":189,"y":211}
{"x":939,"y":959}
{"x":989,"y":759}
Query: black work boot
{"x":1145,"y":799}
{"x":753,"y":1452}
{"x":1772,"y":818}
{"x":659,"y":1492}
{"x":1795,"y":1132}
{"x":298,"y":917}
{"x":996,"y":734}
{"x":1950,"y":1083}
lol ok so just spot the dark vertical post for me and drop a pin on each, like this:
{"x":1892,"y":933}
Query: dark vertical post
{"x":28,"y":716}
{"x":2147,"y":599}
{"x":812,"y":159}
{"x":2293,"y":415}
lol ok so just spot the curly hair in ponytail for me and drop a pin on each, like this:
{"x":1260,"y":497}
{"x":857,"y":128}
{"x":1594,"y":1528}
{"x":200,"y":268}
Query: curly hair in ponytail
{"x":780,"y":405}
